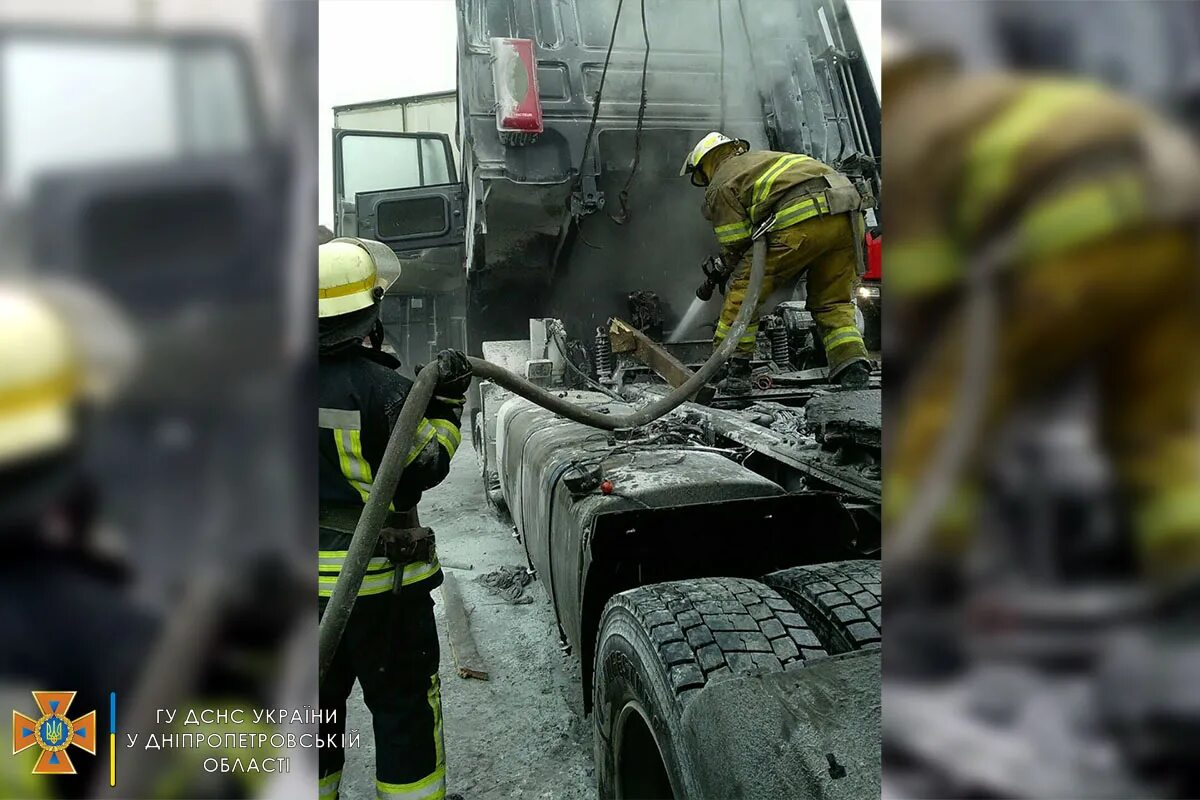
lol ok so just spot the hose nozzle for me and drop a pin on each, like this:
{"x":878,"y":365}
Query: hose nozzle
{"x":715,"y":277}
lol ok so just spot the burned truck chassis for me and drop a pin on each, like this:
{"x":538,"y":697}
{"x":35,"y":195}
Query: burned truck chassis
{"x":702,"y":528}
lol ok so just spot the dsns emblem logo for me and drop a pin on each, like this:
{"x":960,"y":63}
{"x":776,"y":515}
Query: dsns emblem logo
{"x":54,"y":732}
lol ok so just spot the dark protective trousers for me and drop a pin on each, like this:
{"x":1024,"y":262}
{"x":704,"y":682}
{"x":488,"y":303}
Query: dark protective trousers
{"x":391,"y":647}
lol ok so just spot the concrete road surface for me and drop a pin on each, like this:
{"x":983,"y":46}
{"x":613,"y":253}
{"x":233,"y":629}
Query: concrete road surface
{"x":522,"y":734}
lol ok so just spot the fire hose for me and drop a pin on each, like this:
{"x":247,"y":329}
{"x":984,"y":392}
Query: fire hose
{"x":914,"y":529}
{"x":366,"y":532}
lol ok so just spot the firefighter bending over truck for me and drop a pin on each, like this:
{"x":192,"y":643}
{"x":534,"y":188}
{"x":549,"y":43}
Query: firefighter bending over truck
{"x":814,"y":225}
{"x":1075,"y":210}
{"x":390,"y":643}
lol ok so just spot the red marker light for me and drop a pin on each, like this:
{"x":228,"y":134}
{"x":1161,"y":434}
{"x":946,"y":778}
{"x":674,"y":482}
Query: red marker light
{"x":606,"y":486}
{"x":874,"y":257}
{"x":514,"y":75}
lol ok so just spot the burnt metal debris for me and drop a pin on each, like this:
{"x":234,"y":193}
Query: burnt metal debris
{"x":646,"y":313}
{"x":508,"y":583}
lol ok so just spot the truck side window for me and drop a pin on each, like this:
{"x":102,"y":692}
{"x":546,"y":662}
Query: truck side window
{"x":433,"y":154}
{"x":375,"y":163}
{"x":422,"y":216}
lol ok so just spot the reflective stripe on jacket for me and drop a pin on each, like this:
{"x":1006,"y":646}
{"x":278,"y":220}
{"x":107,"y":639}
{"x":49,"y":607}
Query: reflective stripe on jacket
{"x":380,"y":576}
{"x":746,"y":189}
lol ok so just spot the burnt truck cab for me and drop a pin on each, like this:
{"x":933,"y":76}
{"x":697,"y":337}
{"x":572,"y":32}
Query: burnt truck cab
{"x":571,"y":158}
{"x":563,"y":212}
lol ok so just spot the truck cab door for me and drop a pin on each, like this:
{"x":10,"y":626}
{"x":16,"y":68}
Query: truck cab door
{"x":397,"y":188}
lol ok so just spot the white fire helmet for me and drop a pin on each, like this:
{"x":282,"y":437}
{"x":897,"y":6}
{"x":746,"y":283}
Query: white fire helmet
{"x":703,"y":147}
{"x":353,"y":274}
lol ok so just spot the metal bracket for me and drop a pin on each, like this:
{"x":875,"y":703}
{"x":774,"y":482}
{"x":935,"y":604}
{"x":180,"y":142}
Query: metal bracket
{"x":629,"y":340}
{"x":763,"y":228}
{"x":587,"y":199}
{"x":833,"y":56}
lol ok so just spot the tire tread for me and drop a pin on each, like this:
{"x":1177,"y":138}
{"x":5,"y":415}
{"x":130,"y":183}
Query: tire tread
{"x":842,"y":601}
{"x":706,"y":628}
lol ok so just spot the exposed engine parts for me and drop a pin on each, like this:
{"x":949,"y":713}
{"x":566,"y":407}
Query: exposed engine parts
{"x":777,"y":335}
{"x":780,"y":418}
{"x":788,"y":363}
{"x":646,"y":313}
{"x":603,"y":355}
{"x":804,"y":344}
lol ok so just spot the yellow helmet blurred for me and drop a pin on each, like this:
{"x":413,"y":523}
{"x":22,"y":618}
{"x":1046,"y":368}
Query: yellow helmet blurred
{"x":902,"y":56}
{"x":39,"y":377}
{"x":895,"y":48}
{"x":703,"y":147}
{"x":353,"y":274}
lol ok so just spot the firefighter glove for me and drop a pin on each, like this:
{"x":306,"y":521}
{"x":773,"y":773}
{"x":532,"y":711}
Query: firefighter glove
{"x":454,"y":374}
{"x":716,"y":273}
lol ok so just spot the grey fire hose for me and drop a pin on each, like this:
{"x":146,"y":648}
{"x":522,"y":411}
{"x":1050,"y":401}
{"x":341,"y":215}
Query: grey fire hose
{"x":366,"y":532}
{"x":953,"y":452}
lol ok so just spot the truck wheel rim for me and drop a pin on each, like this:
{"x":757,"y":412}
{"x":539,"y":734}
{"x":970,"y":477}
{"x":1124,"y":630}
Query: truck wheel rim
{"x":641,"y":771}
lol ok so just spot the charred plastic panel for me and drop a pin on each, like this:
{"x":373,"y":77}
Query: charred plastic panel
{"x":839,"y":416}
{"x":673,"y":513}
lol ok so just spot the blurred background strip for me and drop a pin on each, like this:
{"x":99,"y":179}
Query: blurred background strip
{"x":1042,"y":453}
{"x":157,"y":186}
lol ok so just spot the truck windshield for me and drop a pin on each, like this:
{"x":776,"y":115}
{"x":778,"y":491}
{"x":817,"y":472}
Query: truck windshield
{"x":376,"y":162}
{"x":82,"y":101}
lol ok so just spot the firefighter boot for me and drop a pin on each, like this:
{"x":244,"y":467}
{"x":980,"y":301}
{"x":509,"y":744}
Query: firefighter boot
{"x":855,"y":376}
{"x":737,"y":376}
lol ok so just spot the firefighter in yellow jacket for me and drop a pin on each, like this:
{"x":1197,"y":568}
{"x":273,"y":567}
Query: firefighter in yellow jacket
{"x":1074,"y":210}
{"x":815,"y":225}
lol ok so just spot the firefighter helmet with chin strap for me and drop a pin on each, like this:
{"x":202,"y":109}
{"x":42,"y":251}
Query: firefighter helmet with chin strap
{"x":353,"y":274}
{"x":39,"y":377}
{"x":703,"y":147}
{"x":901,"y":56}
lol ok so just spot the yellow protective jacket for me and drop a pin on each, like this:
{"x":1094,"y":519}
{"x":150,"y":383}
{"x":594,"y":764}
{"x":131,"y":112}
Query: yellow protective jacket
{"x":1092,"y":197}
{"x":1050,"y":163}
{"x":745,"y":190}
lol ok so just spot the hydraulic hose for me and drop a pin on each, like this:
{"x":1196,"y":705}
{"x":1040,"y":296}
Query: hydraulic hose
{"x":366,"y":532}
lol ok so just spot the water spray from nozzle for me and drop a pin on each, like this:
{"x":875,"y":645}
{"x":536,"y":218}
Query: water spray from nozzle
{"x":715,"y":277}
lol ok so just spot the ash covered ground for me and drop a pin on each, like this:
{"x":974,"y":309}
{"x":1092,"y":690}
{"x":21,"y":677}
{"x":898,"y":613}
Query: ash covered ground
{"x":522,"y":734}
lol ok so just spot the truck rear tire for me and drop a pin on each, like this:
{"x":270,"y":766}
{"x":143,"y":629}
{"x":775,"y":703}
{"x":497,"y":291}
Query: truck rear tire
{"x":842,"y":601}
{"x":657,"y":647}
